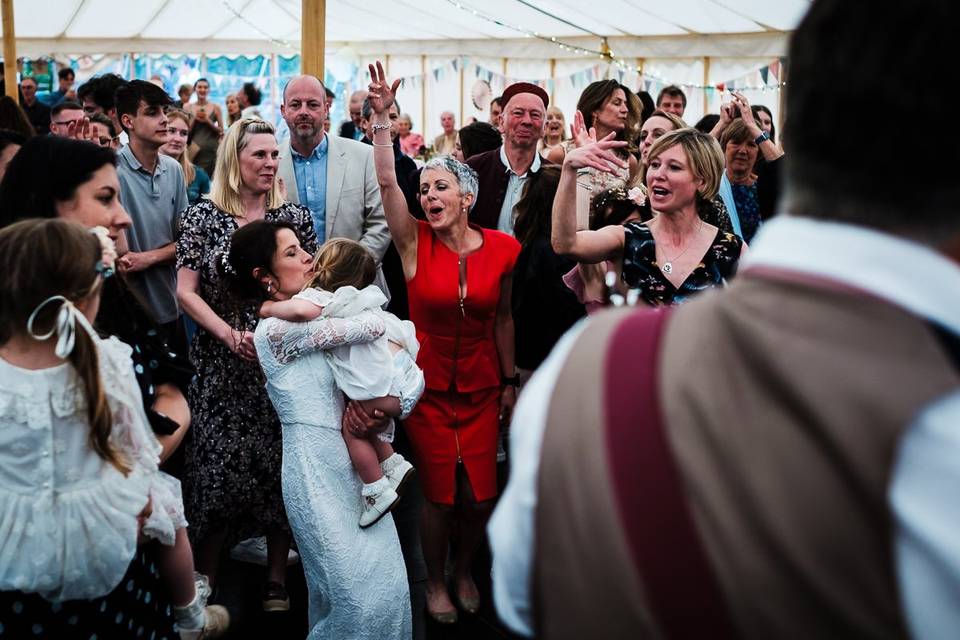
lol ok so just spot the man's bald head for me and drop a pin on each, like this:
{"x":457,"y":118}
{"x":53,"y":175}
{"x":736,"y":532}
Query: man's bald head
{"x":305,"y":84}
{"x":304,"y":109}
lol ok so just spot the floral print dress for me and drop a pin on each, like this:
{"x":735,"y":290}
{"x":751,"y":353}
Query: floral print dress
{"x":233,"y":456}
{"x":641,"y":271}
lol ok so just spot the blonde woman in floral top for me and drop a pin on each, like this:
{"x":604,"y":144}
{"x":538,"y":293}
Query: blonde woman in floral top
{"x":674,"y":255}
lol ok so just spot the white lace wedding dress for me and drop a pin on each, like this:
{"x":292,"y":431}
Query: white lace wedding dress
{"x":356,"y":577}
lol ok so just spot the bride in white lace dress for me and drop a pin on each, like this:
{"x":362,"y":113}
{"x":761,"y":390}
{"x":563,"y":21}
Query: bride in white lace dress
{"x":356,"y":577}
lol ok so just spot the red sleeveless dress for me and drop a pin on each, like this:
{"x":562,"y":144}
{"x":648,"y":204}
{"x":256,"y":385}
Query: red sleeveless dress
{"x":456,"y":420}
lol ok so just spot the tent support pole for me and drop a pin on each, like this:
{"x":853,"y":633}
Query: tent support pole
{"x":9,"y":51}
{"x":462,"y":123}
{"x":423,"y":95}
{"x":553,"y":77}
{"x":504,"y":65}
{"x":706,"y":83}
{"x":640,"y":85}
{"x":313,"y":37}
{"x":782,"y":98}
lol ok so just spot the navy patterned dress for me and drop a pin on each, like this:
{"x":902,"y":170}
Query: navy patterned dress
{"x":747,"y":200}
{"x":641,"y":271}
{"x":232,"y":457}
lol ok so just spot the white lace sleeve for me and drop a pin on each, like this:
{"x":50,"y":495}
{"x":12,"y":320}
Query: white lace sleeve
{"x":290,"y":340}
{"x":131,"y":432}
{"x":132,"y":435}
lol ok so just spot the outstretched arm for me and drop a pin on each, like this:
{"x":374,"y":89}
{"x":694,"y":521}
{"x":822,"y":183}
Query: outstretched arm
{"x":290,"y":310}
{"x":584,"y":246}
{"x":288,"y":340}
{"x":403,"y":226}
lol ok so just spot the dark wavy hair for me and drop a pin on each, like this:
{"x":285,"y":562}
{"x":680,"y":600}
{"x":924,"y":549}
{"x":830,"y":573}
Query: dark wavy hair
{"x":13,"y":118}
{"x":252,"y":246}
{"x":535,"y":207}
{"x":48,"y":170}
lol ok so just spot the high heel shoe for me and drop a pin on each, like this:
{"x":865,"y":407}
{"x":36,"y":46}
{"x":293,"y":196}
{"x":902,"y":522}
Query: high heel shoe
{"x":443,"y":617}
{"x":469,"y":605}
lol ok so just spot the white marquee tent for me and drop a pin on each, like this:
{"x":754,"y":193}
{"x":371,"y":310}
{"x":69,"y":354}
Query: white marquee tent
{"x":448,"y":49}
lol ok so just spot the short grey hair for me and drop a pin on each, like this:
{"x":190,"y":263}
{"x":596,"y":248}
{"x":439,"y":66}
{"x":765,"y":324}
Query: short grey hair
{"x":467,"y":178}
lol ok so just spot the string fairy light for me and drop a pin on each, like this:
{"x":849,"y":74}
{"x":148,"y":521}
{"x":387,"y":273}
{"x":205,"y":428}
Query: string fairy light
{"x":604,"y":52}
{"x":277,"y":41}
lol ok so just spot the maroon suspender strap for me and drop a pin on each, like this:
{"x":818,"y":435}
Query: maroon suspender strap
{"x":666,"y":549}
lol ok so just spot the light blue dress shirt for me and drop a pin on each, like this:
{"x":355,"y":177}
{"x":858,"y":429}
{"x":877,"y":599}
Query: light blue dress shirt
{"x":311,"y":173}
{"x":514,"y":191}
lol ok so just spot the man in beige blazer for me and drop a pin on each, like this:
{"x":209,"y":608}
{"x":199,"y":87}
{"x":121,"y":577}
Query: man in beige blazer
{"x":333,"y":177}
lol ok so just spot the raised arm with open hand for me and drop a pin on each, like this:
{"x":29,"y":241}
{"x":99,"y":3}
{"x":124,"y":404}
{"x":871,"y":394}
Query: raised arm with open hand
{"x":768,"y":149}
{"x":403,"y":226}
{"x":585,"y":246}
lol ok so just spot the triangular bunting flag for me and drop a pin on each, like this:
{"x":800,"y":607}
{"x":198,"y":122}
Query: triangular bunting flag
{"x":764,"y":74}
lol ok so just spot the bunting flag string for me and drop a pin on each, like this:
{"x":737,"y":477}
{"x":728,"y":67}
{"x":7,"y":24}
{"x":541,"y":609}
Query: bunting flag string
{"x":766,"y":78}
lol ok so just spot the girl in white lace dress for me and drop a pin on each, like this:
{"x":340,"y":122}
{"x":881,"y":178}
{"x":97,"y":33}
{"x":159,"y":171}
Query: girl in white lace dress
{"x":383,"y":374}
{"x":79,"y":474}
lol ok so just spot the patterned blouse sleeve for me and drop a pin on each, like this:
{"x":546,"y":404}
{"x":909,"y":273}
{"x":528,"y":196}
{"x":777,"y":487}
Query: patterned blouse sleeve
{"x":308,"y":235}
{"x":290,"y":340}
{"x":728,"y":254}
{"x":191,"y":241}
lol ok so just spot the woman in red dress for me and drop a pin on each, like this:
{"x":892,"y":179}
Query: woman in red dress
{"x":458,"y":281}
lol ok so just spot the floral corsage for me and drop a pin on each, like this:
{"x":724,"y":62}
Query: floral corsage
{"x":108,"y":257}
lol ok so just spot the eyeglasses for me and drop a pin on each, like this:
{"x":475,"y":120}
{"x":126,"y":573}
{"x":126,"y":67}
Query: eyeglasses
{"x":67,"y":123}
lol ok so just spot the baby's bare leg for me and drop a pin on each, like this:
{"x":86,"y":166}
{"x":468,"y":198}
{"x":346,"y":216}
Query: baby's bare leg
{"x":388,"y":405}
{"x":176,"y":567}
{"x":363,"y":455}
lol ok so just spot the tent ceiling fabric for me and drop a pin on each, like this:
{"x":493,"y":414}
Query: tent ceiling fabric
{"x":246,"y":26}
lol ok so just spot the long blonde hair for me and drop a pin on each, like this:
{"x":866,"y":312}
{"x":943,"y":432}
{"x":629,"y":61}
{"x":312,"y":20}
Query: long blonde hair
{"x":40,"y":258}
{"x":189,"y":172}
{"x":225,"y":188}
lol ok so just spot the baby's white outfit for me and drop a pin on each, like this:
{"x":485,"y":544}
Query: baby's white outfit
{"x":368,"y":370}
{"x":68,"y":518}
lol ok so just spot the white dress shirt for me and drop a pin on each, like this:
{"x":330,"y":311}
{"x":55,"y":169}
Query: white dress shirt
{"x":927,"y":469}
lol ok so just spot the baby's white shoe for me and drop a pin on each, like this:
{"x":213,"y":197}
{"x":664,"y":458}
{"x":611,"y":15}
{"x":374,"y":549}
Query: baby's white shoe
{"x":397,"y":471}
{"x":197,"y":620}
{"x":378,"y":499}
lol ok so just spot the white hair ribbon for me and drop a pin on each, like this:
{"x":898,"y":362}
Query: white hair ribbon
{"x":65,"y":325}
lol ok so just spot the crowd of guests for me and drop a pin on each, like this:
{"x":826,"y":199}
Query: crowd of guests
{"x":314,"y":350}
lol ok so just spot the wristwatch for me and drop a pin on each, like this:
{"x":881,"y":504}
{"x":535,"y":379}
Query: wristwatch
{"x":760,"y":138}
{"x":513,"y":381}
